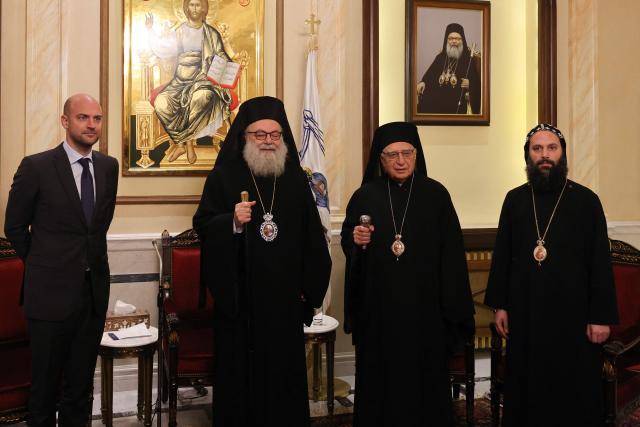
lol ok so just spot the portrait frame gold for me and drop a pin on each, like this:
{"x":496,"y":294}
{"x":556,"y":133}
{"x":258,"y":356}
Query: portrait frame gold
{"x":426,"y":21}
{"x":145,"y":139}
{"x":105,"y":67}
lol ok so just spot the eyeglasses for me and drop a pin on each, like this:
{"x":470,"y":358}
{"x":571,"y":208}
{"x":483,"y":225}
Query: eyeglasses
{"x":261,"y":135}
{"x":395,"y":155}
{"x":457,"y":39}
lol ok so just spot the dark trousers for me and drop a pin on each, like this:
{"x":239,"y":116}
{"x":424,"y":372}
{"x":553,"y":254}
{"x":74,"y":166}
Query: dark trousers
{"x":63,"y":361}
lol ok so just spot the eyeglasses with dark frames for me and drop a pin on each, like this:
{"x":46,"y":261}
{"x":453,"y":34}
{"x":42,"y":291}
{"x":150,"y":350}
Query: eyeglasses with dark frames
{"x":261,"y":135}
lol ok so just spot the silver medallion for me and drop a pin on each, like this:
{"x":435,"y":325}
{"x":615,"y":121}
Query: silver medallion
{"x":268,"y":229}
{"x":397,"y":247}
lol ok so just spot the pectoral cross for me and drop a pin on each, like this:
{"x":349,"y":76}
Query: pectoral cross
{"x":312,"y":22}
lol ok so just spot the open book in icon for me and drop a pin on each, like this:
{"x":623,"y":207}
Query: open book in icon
{"x":224,"y":73}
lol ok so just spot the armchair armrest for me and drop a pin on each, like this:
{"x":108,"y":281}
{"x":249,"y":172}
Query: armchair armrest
{"x":622,"y":342}
{"x":14,"y":343}
{"x":172,"y":322}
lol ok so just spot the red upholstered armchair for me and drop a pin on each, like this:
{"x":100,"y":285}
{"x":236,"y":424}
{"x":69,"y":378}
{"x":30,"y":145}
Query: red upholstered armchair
{"x":15,"y":358}
{"x":186,"y":319}
{"x":622,"y":351}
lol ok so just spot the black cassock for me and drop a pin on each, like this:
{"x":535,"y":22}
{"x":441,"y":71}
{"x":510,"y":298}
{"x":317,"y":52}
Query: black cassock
{"x":443,"y":98}
{"x":554,"y":373}
{"x":405,"y":314}
{"x":294,"y":265}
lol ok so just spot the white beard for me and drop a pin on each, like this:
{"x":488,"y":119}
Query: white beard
{"x":454,"y":52}
{"x":263,"y":162}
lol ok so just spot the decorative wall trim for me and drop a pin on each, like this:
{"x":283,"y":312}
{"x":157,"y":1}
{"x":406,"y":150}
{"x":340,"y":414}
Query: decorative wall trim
{"x":133,"y":278}
{"x":370,"y":107}
{"x":158,"y":200}
{"x":547,"y":62}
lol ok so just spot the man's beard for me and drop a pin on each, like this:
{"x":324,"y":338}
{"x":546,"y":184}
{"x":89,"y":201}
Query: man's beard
{"x":265,"y":162}
{"x":547,"y":179}
{"x":454,"y":52}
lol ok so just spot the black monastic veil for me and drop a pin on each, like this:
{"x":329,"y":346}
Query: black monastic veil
{"x":406,"y":314}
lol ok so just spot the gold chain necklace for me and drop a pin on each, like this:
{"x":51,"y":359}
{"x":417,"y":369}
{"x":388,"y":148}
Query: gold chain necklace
{"x":449,"y":76}
{"x":540,"y":252}
{"x":268,"y":228}
{"x":397,"y":247}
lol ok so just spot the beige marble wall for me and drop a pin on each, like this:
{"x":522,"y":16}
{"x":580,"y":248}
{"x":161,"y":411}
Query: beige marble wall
{"x":583,"y":92}
{"x":599,"y":102}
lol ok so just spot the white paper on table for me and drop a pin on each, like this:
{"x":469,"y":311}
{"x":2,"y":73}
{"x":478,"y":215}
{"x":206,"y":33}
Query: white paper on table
{"x":136,"y":331}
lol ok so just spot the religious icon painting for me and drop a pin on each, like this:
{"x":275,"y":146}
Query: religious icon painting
{"x":188,"y":65}
{"x":447,"y":62}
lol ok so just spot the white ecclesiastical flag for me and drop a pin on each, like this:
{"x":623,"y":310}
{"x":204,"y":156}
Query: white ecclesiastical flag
{"x":312,"y":151}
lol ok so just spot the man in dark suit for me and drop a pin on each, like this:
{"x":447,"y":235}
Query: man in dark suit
{"x":60,"y":207}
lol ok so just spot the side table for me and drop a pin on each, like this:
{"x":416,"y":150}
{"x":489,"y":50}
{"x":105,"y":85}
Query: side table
{"x":143,"y":348}
{"x":317,"y":335}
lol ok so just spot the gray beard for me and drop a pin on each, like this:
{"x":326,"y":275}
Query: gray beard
{"x":454,"y":52}
{"x":265,"y":163}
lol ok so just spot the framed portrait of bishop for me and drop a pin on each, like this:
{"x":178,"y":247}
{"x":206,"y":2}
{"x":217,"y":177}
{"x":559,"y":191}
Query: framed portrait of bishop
{"x":447,"y":62}
{"x":188,"y":65}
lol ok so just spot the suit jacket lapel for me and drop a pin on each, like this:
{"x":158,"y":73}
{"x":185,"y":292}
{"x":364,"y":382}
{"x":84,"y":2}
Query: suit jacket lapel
{"x":63,"y":167}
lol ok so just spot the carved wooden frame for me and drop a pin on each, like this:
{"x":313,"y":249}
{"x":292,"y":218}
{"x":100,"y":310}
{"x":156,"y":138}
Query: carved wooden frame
{"x":104,"y":99}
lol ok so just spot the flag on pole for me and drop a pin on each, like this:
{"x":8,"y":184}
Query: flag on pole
{"x":312,"y":150}
{"x":312,"y":154}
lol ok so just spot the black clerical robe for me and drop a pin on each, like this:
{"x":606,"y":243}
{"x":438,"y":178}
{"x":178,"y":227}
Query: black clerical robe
{"x":554,"y":373}
{"x":407,"y":313}
{"x":264,"y":284}
{"x":447,"y":99}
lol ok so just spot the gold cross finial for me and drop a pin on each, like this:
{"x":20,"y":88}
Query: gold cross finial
{"x":312,"y":22}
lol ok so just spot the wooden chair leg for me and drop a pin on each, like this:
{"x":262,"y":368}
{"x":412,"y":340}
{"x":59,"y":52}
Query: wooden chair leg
{"x":173,"y":385}
{"x":330,"y":365}
{"x":140,"y":385}
{"x":496,"y":361}
{"x":469,"y":399}
{"x":610,"y":390}
{"x":456,"y":390}
{"x":495,"y":406}
{"x":470,"y":379}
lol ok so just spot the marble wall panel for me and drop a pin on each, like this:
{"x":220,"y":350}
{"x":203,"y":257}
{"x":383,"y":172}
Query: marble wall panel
{"x":583,"y":92}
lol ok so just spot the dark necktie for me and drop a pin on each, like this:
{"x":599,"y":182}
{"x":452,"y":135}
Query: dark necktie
{"x":86,"y":190}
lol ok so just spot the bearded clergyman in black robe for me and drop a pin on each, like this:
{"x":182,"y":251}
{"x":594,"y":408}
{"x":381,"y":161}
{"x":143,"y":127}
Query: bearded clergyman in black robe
{"x":451,"y":85}
{"x":407,"y":297}
{"x":267,"y":264}
{"x":551,"y":283}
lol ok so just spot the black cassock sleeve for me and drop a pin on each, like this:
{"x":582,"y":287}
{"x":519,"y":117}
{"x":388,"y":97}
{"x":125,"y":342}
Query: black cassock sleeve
{"x":603,"y":308}
{"x":456,"y":302}
{"x":317,"y":261}
{"x":497,"y":286}
{"x":353,"y":274}
{"x":213,"y":221}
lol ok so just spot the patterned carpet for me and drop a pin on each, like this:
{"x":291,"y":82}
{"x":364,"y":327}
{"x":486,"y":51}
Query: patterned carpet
{"x":482,"y":415}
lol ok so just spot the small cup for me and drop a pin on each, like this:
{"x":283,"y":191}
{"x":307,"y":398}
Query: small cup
{"x":318,"y":315}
